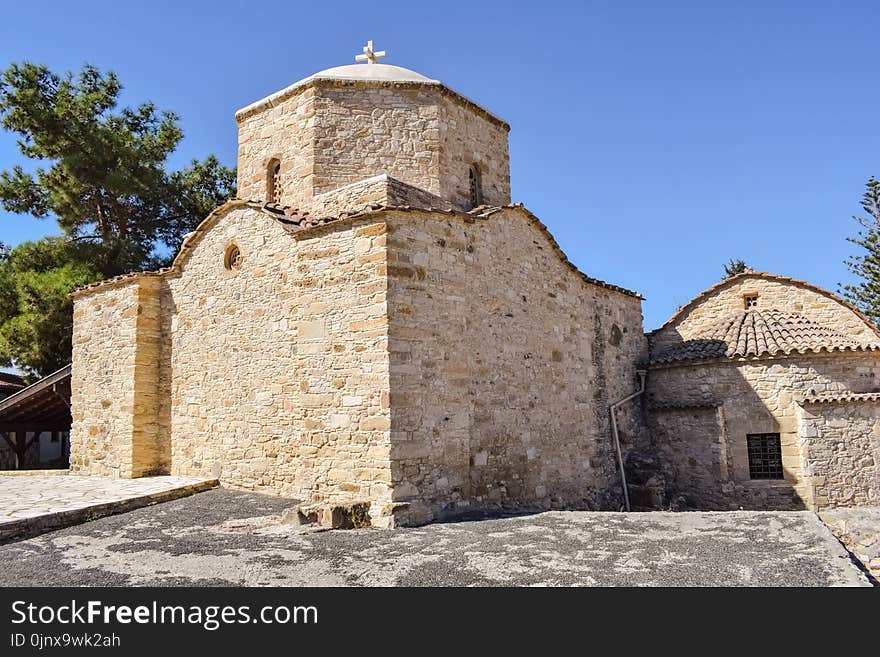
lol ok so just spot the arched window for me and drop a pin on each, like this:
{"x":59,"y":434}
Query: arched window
{"x":273,"y":181}
{"x":476,"y":186}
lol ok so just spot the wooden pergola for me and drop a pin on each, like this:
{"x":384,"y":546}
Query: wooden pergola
{"x":40,"y":407}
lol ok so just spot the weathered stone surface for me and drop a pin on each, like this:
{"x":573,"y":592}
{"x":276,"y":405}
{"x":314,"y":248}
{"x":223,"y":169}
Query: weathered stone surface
{"x":299,"y":516}
{"x":859,"y":530}
{"x":701,"y":412}
{"x":332,"y":133}
{"x":331,"y":366}
{"x":434,"y":362}
{"x":354,"y":515}
{"x":503,"y":364}
{"x":842,"y":452}
{"x":40,"y":501}
{"x":115,"y":394}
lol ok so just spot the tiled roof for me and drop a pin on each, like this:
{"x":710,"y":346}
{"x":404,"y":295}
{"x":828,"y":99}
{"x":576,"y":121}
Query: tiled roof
{"x":756,"y":333}
{"x":298,"y":222}
{"x":685,"y":309}
{"x":841,"y":397}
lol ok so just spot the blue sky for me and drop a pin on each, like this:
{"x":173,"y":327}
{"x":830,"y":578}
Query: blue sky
{"x":655,"y":139}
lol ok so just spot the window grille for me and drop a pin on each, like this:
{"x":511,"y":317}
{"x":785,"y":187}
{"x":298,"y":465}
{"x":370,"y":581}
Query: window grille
{"x":765,"y":456}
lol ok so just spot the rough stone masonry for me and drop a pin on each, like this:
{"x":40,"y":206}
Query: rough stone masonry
{"x":375,"y":322}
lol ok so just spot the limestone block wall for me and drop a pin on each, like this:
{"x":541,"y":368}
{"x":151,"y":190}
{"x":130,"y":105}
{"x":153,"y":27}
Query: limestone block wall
{"x":772,"y":294}
{"x":278,"y":370}
{"x":469,"y":138}
{"x":372,"y":191}
{"x":843,"y":452}
{"x":759,"y":396}
{"x":283,"y":132}
{"x":400,"y":193}
{"x":329,"y":134}
{"x":378,"y":190}
{"x":503,"y":364}
{"x":115,"y":398}
{"x":692,"y":440}
{"x":362,"y":131}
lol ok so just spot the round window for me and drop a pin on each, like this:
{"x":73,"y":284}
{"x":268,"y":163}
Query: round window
{"x":232,"y":259}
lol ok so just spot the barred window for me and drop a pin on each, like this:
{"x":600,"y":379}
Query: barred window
{"x":765,"y":456}
{"x":750,"y":301}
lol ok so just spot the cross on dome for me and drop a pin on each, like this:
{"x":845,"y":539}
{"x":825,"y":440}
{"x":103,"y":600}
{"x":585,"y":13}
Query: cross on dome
{"x":370,"y":56}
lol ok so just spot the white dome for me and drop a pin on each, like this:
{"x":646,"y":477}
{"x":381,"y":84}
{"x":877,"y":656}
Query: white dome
{"x":380,"y":72}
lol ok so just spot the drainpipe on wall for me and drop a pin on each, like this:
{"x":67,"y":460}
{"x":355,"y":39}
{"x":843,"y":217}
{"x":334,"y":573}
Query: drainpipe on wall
{"x":613,"y":411}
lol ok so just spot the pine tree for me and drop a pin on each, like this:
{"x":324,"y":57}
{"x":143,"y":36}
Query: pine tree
{"x":100,"y":172}
{"x":734,"y":267}
{"x":865,"y":294}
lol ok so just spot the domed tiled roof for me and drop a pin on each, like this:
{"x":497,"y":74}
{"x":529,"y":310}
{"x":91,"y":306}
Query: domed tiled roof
{"x":755,"y":333}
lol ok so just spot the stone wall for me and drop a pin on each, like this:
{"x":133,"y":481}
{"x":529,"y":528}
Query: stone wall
{"x":690,"y":440}
{"x":759,"y":396}
{"x":843,"y":452}
{"x":503,"y":364}
{"x":772,"y":294}
{"x":284,"y":132}
{"x":362,"y":131}
{"x":279,"y":369}
{"x":378,"y":190}
{"x":114,"y":398}
{"x":331,"y":133}
{"x":470,"y":138}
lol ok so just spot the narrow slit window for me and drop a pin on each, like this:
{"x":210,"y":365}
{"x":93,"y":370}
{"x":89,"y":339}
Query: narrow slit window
{"x":476,"y":186}
{"x":273,"y":182}
{"x":765,"y":456}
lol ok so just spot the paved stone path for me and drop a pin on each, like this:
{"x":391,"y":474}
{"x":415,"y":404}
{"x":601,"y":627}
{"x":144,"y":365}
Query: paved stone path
{"x":32,"y":502}
{"x":224,"y":537}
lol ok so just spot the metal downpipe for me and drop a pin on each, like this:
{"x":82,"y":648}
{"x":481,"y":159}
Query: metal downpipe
{"x":613,"y":411}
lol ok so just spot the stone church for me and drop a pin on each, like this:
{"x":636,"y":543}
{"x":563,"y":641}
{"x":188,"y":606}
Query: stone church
{"x":374,"y":320}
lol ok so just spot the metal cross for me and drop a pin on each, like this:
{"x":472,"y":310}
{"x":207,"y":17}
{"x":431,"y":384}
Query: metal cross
{"x":369,"y":56}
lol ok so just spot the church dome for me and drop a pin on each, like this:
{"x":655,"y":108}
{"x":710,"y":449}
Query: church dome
{"x":376,"y":72}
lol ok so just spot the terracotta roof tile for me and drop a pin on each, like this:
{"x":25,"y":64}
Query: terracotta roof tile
{"x":756,"y":333}
{"x":841,"y":397}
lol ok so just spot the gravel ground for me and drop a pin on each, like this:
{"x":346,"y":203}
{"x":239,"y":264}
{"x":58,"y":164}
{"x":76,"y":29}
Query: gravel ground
{"x":224,"y":537}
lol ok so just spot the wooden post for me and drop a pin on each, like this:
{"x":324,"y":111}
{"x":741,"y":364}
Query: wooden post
{"x":17,"y":447}
{"x":22,"y":445}
{"x":7,"y":436}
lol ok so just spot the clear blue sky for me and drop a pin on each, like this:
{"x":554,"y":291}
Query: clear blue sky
{"x":655,"y":139}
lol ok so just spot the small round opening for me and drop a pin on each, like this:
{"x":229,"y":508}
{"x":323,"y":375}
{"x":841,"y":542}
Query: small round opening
{"x":232,"y":259}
